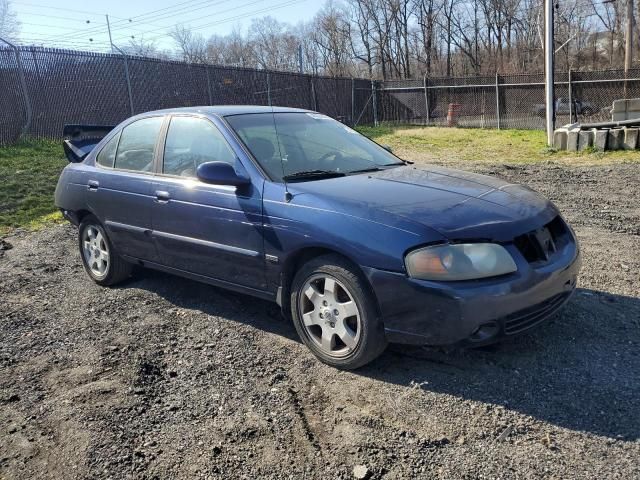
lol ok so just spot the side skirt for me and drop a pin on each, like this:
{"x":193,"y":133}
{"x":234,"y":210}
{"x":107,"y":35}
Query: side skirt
{"x":266,"y":295}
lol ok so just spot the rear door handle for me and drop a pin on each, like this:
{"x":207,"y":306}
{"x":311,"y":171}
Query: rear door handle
{"x":93,"y":185}
{"x":162,"y":197}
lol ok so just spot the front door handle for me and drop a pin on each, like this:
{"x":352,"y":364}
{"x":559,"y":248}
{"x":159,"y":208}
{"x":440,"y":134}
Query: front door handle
{"x":162,"y":196}
{"x":93,"y":185}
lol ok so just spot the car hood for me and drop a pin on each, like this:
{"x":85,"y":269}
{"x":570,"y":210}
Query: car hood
{"x":457,"y":204}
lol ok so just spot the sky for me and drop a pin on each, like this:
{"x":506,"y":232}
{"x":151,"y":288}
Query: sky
{"x":63,"y":23}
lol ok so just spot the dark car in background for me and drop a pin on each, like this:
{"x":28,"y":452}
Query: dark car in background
{"x":564,"y":107}
{"x":358,"y":247}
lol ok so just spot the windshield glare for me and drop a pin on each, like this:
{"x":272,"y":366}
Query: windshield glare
{"x":289,"y":143}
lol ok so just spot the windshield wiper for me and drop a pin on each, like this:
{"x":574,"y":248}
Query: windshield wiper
{"x":376,"y":169}
{"x":365,"y":170}
{"x":312,"y":175}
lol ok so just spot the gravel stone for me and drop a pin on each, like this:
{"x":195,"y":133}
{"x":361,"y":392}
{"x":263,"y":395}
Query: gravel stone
{"x":569,"y":391}
{"x":361,"y":472}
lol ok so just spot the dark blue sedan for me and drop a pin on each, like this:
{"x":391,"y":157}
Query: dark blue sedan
{"x":358,"y":247}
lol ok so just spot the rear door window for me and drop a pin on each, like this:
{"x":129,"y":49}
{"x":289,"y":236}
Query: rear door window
{"x":107,"y":155}
{"x":137,"y":145}
{"x":192,"y":141}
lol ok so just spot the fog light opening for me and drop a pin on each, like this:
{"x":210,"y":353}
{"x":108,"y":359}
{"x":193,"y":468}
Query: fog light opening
{"x":485,"y":332}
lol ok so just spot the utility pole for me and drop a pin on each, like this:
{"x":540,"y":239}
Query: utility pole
{"x":109,"y":30}
{"x":23,"y":84}
{"x":548,"y":70}
{"x":300,"y":58}
{"x":628,"y":44}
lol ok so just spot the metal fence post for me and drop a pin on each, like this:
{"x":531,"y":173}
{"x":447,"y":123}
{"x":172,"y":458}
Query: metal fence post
{"x":206,"y":69}
{"x":353,"y":101}
{"x":126,"y":73}
{"x":375,"y":102}
{"x":314,"y":97}
{"x":23,"y":85}
{"x":571,"y":109}
{"x":269,"y":89}
{"x":426,"y":98}
{"x":497,"y":100}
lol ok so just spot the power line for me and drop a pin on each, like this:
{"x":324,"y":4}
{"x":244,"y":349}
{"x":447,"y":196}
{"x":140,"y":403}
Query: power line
{"x":58,"y":8}
{"x":123,"y":22}
{"x":79,"y":40}
{"x":170,"y":15}
{"x":43,"y":25}
{"x":229,"y":19}
{"x":83,"y":19}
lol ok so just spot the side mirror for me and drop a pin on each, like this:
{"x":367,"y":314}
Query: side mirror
{"x":220,"y":173}
{"x":387,"y":148}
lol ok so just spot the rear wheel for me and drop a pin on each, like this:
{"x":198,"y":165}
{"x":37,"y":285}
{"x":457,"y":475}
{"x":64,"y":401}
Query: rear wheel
{"x":101,"y":262}
{"x":335,"y":313}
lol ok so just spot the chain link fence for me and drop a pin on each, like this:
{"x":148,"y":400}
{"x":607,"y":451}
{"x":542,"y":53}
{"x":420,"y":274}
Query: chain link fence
{"x":505,"y":101}
{"x":43,"y":89}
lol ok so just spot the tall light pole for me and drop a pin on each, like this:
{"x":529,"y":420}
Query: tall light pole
{"x":548,"y":70}
{"x":300,"y":66}
{"x":628,"y":44}
{"x":109,"y":30}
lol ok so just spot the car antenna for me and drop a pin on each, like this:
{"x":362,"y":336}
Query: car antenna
{"x":287,"y":195}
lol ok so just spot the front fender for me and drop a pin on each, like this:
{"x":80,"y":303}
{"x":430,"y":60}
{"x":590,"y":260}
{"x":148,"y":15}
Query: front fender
{"x":299,"y":224}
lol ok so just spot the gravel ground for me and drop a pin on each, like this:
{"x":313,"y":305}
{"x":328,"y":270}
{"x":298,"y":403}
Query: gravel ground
{"x":166,"y":378}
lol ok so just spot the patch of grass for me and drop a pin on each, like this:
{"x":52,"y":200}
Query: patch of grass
{"x":29,"y":170}
{"x":443,"y":145}
{"x":28,"y":175}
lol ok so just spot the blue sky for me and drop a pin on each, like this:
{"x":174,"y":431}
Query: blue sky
{"x":64,"y":22}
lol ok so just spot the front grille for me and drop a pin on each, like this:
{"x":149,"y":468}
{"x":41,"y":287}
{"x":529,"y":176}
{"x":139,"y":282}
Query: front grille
{"x":530,"y":317}
{"x":542,"y":244}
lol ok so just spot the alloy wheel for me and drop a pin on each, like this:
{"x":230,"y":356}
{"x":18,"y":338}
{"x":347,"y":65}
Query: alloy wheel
{"x":95,"y":251}
{"x":330,"y":315}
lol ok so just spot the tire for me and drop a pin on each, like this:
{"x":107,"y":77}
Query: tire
{"x":335,"y":313}
{"x":99,"y":258}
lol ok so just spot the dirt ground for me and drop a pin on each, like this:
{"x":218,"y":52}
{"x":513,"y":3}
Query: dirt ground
{"x":166,"y":378}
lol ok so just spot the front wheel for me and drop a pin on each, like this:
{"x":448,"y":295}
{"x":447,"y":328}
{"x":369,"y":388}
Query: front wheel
{"x":101,"y":262}
{"x":335,"y":314}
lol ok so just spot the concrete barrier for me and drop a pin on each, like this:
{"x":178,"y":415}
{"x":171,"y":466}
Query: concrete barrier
{"x":571,"y":138}
{"x":615,"y":139}
{"x":625,"y":109}
{"x":600,"y":139}
{"x":585,"y":139}
{"x":630,"y":138}
{"x":560,"y":139}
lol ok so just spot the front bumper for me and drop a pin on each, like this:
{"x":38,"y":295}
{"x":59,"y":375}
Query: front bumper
{"x":478,"y":311}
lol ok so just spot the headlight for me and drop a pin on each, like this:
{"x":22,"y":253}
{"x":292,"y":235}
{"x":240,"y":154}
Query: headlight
{"x":463,"y":261}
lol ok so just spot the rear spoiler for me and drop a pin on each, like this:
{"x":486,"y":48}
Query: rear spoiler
{"x":79,"y":140}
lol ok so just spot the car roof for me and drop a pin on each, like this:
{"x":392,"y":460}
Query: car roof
{"x":227,"y":110}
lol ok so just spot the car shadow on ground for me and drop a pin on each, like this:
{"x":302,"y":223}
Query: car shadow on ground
{"x":214,"y":301}
{"x":579,"y":371}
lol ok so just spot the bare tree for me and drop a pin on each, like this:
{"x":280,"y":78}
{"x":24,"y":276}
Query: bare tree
{"x":273,"y":44}
{"x":360,"y":35}
{"x":192,"y":46}
{"x":331,"y":36}
{"x":9,"y":25}
{"x":144,"y":48}
{"x":407,"y":38}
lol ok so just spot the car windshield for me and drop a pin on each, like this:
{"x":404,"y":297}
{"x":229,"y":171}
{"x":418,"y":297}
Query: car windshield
{"x":307,"y":146}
